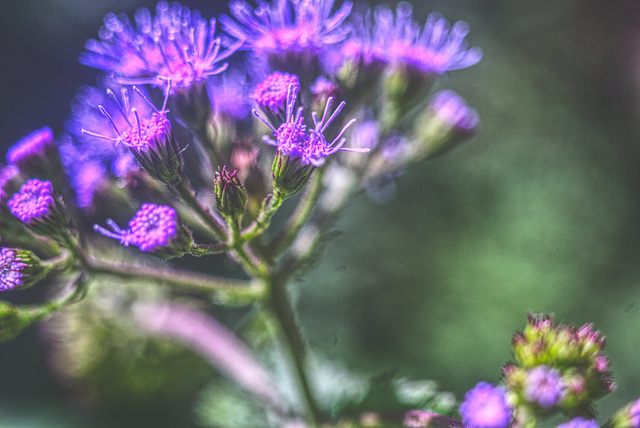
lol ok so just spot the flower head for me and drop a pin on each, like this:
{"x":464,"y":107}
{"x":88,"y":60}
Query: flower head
{"x":231,"y":196}
{"x":19,"y":269}
{"x":544,"y":386}
{"x":627,"y":417}
{"x":301,"y":29}
{"x":485,"y":406}
{"x":176,"y":44}
{"x":39,"y":207}
{"x":149,"y":137}
{"x":154,"y":228}
{"x":271,"y":94}
{"x":580,"y":423}
{"x":38,"y":144}
{"x":398,"y":40}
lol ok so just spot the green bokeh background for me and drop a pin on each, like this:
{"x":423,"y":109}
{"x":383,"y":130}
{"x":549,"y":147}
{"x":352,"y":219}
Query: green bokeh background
{"x":538,"y":213}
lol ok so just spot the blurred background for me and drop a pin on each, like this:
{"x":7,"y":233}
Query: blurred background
{"x":540,"y":212}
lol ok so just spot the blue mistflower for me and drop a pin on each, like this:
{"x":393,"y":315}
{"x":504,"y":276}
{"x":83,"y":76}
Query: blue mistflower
{"x":154,"y":228}
{"x":271,"y":94}
{"x":34,"y":202}
{"x":398,"y":40}
{"x":176,"y":44}
{"x":309,"y":147}
{"x":11,"y":269}
{"x":485,"y":406}
{"x":544,"y":386}
{"x":580,"y":423}
{"x":287,"y":26}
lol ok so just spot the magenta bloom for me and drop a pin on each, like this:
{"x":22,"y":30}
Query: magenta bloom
{"x":453,"y":111}
{"x":34,"y":202}
{"x":154,"y":228}
{"x":36,"y":144}
{"x":176,"y":44}
{"x":11,"y":269}
{"x":485,"y":406}
{"x":310,"y":147}
{"x":287,"y":25}
{"x":149,"y":138}
{"x":271,"y":94}
{"x":580,"y":423}
{"x":544,"y":386}
{"x":397,"y":39}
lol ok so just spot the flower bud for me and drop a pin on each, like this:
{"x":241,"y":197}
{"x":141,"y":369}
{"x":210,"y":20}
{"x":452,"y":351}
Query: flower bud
{"x":485,"y":406}
{"x":290,"y":174}
{"x":37,"y":156}
{"x":447,"y":122}
{"x":40,"y":208}
{"x":231,"y":197}
{"x":626,"y":417}
{"x":155,"y":229}
{"x":19,"y":269}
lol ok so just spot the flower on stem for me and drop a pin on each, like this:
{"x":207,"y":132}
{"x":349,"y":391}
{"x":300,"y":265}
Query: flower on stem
{"x":299,"y":150}
{"x":176,"y":44}
{"x":447,"y":122}
{"x":580,"y":423}
{"x":36,"y":155}
{"x":19,"y":269}
{"x":36,"y":205}
{"x":485,"y":406}
{"x":231,"y":197}
{"x":290,"y":34}
{"x":156,"y":229}
{"x":148,"y":137}
{"x":544,"y":386}
{"x":271,"y":93}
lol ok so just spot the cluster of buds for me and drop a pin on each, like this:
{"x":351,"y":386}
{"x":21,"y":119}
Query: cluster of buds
{"x":557,"y":368}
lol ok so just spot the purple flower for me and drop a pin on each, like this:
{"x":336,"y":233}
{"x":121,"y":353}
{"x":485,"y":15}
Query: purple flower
{"x":634,"y":414}
{"x":149,"y":137}
{"x":9,"y":175}
{"x":452,"y":110}
{"x":154,"y":228}
{"x":544,"y":386}
{"x":176,"y":44}
{"x":485,"y":406}
{"x":20,"y":269}
{"x":37,"y":144}
{"x":580,"y":423}
{"x":399,"y":40}
{"x":34,"y":202}
{"x":229,"y":94}
{"x":287,"y":25}
{"x":11,"y":269}
{"x":310,"y":147}
{"x":271,"y":94}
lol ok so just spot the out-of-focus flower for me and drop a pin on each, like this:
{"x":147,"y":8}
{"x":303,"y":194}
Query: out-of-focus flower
{"x":424,"y":419}
{"x":19,"y":269}
{"x":289,"y":33}
{"x":155,"y":228}
{"x":176,"y":44}
{"x":271,"y":93}
{"x":485,"y":406}
{"x":37,"y":155}
{"x":398,"y":40}
{"x":627,"y":417}
{"x":580,"y":423}
{"x":544,"y":386}
{"x":447,"y":122}
{"x":149,"y":137}
{"x":39,"y":207}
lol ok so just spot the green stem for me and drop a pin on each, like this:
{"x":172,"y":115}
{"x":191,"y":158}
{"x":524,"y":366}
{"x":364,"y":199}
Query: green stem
{"x":269,"y":207}
{"x":285,"y":315}
{"x":73,"y":246}
{"x":227,"y":291}
{"x":189,"y":198}
{"x":300,"y":216}
{"x":199,"y":250}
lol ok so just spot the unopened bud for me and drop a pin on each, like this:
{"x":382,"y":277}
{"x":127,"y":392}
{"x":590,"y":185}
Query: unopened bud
{"x":231,"y":197}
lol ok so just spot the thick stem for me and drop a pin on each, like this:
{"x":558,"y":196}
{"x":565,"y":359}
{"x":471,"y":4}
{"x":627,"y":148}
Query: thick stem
{"x":227,"y":291}
{"x":285,"y":315}
{"x":268,"y":209}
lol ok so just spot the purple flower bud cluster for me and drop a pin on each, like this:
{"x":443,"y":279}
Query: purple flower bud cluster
{"x":485,"y":406}
{"x":11,"y":269}
{"x":271,"y":94}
